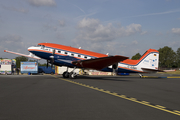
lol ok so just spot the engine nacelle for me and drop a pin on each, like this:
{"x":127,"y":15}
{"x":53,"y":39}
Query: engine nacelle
{"x":114,"y":66}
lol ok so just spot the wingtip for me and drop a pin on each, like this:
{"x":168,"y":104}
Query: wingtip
{"x":4,"y":50}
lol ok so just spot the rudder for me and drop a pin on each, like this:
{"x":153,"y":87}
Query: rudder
{"x":150,"y":60}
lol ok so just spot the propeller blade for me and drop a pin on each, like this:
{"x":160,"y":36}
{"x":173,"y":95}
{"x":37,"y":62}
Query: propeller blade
{"x":52,"y":59}
{"x":53,"y":52}
{"x":51,"y":65}
{"x":47,"y":64}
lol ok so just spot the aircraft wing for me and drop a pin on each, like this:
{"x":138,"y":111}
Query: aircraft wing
{"x":99,"y":63}
{"x":30,"y":55}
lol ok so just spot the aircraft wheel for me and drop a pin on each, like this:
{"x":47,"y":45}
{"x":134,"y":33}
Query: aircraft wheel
{"x":72,"y":75}
{"x":66,"y":74}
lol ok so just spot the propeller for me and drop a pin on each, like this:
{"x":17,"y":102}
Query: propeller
{"x":47,"y":64}
{"x":115,"y":67}
{"x":52,"y":57}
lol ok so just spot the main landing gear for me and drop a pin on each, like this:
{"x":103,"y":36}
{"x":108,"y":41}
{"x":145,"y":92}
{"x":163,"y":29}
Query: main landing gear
{"x":71,"y":74}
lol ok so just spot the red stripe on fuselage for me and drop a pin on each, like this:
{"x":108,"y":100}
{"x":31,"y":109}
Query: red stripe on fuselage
{"x":75,"y":50}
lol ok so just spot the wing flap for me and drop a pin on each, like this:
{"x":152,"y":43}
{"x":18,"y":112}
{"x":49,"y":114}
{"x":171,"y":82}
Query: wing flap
{"x":99,"y":63}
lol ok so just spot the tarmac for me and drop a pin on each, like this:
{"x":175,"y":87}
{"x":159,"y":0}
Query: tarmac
{"x":51,"y":97}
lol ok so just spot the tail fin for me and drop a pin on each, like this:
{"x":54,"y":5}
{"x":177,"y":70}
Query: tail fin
{"x":150,"y":60}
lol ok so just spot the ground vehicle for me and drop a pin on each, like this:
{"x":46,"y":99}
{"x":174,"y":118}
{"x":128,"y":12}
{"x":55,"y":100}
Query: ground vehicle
{"x":47,"y":70}
{"x":7,"y":66}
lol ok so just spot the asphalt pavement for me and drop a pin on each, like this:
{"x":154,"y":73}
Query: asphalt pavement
{"x":46,"y":97}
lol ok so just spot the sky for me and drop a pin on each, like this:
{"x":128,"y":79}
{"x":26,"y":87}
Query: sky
{"x":117,"y":27}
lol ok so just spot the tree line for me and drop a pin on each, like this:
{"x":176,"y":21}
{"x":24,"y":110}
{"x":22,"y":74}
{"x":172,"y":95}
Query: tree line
{"x":167,"y":57}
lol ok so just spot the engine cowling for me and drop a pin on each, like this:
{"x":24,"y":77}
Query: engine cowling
{"x":115,"y":66}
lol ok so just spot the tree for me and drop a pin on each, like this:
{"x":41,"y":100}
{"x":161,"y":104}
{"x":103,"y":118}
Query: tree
{"x":167,"y":57}
{"x":39,"y":64}
{"x":19,"y":60}
{"x":44,"y":64}
{"x":136,"y":57}
{"x":178,"y":57}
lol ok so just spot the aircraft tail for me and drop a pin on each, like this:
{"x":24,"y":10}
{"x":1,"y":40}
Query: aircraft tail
{"x":149,"y":61}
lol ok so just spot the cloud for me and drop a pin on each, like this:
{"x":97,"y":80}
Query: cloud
{"x":61,"y":23}
{"x":134,"y":42}
{"x":132,"y":29}
{"x":10,"y":39}
{"x":12,"y":42}
{"x":158,"y":13}
{"x":80,"y":9}
{"x":159,"y":34}
{"x":176,"y":31}
{"x":94,"y":36}
{"x":54,"y":26}
{"x":21,"y":10}
{"x":144,"y":32}
{"x":174,"y":44}
{"x":50,"y":27}
{"x":42,"y":2}
{"x":93,"y":30}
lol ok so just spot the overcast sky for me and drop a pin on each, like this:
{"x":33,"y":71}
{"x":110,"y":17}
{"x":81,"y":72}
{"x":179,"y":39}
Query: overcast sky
{"x":117,"y":27}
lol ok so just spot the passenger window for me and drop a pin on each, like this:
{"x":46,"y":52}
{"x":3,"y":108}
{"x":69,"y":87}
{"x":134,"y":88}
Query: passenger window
{"x":59,"y":51}
{"x":72,"y":54}
{"x":66,"y":53}
{"x":79,"y":55}
{"x":85,"y":57}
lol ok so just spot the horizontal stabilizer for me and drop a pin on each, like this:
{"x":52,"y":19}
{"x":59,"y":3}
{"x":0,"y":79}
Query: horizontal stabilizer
{"x":153,"y":70}
{"x":99,"y":63}
{"x":30,"y":55}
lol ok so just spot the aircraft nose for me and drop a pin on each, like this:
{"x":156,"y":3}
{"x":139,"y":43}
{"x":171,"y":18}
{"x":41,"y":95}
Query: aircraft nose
{"x":30,"y":48}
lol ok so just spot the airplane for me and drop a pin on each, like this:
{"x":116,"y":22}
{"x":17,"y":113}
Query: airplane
{"x":71,"y":57}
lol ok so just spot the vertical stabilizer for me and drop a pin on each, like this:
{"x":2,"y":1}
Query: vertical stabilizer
{"x":149,"y":61}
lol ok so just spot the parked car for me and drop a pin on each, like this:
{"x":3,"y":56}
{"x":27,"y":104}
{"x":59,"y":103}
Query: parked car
{"x":44,"y":69}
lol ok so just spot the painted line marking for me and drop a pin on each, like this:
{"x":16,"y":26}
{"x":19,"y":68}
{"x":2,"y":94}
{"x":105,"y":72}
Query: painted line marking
{"x":160,"y":77}
{"x":159,"y":107}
